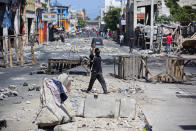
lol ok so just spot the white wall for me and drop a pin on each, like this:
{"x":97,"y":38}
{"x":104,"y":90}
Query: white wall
{"x":187,"y":2}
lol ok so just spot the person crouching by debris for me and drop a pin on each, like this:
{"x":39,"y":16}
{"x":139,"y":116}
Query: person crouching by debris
{"x":92,"y":53}
{"x":169,"y":40}
{"x":96,"y":72}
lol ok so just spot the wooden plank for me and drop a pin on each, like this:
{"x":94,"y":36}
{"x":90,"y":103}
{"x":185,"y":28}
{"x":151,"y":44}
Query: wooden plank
{"x":10,"y":52}
{"x":141,"y":68}
{"x":34,"y":62}
{"x":114,"y":65}
{"x":16,"y":49}
{"x":133,"y":66}
{"x":166,"y":67}
{"x":123,"y":69}
{"x":146,"y":68}
{"x":120,"y":66}
{"x":126,"y":71}
{"x":137,"y":67}
{"x":21,"y":51}
{"x":6,"y":51}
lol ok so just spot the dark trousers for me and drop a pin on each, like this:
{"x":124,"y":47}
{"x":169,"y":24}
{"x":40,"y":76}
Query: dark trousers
{"x":100,"y":78}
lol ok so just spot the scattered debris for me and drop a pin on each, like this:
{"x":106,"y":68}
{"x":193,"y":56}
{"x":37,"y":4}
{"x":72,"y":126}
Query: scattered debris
{"x":12,"y":87}
{"x":25,"y":84}
{"x":3,"y":124}
{"x":28,"y":102}
{"x":34,"y":87}
{"x":38,"y":72}
{"x":43,"y":66}
{"x":4,"y":93}
{"x":131,"y":91}
{"x":31,"y":88}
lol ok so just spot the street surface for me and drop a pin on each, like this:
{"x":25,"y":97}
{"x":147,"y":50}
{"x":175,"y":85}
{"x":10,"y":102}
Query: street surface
{"x":158,"y":101}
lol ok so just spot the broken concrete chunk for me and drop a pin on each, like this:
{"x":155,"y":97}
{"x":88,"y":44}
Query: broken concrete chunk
{"x":66,"y":127}
{"x":28,"y":102}
{"x":9,"y":93}
{"x":14,"y":93}
{"x":1,"y":97}
{"x":36,"y":87}
{"x":25,"y":84}
{"x":47,"y":118}
{"x":31,"y":88}
{"x":101,"y":107}
{"x":3,"y":123}
{"x":128,"y":108}
{"x":12,"y":87}
{"x":80,"y":110}
{"x":2,"y":90}
{"x":51,"y":114}
{"x":43,"y":66}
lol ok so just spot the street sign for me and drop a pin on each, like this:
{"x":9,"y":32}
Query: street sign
{"x":50,"y":17}
{"x":123,"y":22}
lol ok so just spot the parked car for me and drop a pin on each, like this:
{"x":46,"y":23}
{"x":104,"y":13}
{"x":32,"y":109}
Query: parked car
{"x":98,"y":41}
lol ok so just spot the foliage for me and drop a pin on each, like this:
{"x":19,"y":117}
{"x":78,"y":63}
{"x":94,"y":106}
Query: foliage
{"x":164,"y":19}
{"x":87,"y":18}
{"x":112,"y":18}
{"x":81,"y":22}
{"x":44,"y":6}
{"x":186,"y":13}
{"x":97,"y":18}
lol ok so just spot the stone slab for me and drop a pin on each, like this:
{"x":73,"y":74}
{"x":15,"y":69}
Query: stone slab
{"x":128,"y":108}
{"x":80,"y":110}
{"x":101,"y":107}
{"x":66,"y":127}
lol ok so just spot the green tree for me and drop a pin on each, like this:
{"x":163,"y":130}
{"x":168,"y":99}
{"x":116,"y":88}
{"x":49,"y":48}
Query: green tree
{"x":112,"y":18}
{"x":181,"y":13}
{"x":87,"y":18}
{"x":97,"y":18}
{"x":164,"y":19}
{"x":81,"y":22}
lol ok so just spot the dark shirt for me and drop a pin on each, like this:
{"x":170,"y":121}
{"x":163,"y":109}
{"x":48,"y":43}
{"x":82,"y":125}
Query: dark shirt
{"x":97,"y":64}
{"x":63,"y":96}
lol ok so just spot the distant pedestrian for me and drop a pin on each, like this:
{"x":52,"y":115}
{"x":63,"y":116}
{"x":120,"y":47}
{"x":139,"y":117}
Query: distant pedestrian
{"x":96,"y":72}
{"x":37,"y":39}
{"x":121,"y":39}
{"x":62,"y":36}
{"x":131,"y":46}
{"x":169,"y":40}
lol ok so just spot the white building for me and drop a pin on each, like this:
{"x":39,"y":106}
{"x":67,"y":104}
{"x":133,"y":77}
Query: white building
{"x":109,"y":4}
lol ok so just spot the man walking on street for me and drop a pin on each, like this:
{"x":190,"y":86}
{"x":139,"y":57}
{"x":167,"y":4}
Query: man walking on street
{"x":121,"y":39}
{"x":96,"y":72}
{"x":169,"y":40}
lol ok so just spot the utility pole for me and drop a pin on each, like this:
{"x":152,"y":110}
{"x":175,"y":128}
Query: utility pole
{"x":152,"y":24}
{"x":48,"y":21}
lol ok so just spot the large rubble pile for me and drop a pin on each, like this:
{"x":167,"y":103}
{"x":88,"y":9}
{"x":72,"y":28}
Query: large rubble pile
{"x":92,"y":111}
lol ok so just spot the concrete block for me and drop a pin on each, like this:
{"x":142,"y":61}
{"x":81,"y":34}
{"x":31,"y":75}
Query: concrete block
{"x":128,"y":108}
{"x":66,"y":127}
{"x":117,"y":108}
{"x":101,"y":107}
{"x":80,"y":110}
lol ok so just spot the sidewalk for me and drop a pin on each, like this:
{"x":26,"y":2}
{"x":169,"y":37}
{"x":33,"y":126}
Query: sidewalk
{"x":167,"y":112}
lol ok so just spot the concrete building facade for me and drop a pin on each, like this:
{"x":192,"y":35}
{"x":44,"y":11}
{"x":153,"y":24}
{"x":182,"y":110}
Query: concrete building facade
{"x":108,"y":5}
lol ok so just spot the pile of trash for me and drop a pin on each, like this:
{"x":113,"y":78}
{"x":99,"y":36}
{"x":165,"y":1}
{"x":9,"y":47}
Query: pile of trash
{"x":129,"y":91}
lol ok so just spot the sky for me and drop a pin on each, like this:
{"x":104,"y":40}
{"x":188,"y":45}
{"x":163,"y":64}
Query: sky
{"x":92,"y":6}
